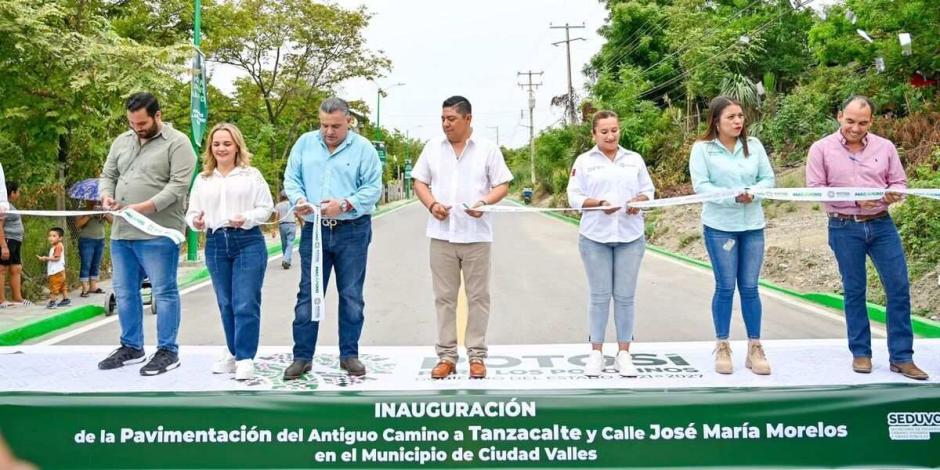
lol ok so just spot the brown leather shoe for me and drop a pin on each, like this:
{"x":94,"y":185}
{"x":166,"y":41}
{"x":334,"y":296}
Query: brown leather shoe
{"x":477,"y":368}
{"x":443,"y":369}
{"x":909,"y":370}
{"x":861,"y":364}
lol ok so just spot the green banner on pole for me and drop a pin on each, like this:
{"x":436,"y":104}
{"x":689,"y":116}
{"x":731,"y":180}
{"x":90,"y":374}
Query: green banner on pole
{"x":198,"y":102}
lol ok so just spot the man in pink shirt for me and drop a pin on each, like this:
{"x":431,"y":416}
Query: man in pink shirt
{"x":854,"y":157}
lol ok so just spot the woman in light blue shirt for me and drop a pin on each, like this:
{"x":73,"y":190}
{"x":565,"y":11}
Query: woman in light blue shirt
{"x":726,"y":158}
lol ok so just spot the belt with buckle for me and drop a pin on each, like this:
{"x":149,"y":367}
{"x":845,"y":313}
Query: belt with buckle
{"x":334,"y":222}
{"x":859,"y":218}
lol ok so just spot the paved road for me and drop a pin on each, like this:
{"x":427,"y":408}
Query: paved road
{"x":539,"y":295}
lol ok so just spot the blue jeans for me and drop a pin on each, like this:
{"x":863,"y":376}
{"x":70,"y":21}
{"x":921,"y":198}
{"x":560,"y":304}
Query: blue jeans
{"x":90,"y":251}
{"x":851,"y":242}
{"x":157,"y":259}
{"x":612,"y":270}
{"x":237,"y":260}
{"x":345,"y":250}
{"x":288,"y":231}
{"x":736,"y":259}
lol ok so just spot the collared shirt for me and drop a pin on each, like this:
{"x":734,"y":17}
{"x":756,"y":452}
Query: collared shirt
{"x":456,"y":180}
{"x":713,"y":168}
{"x":352,"y":172}
{"x":159,"y":171}
{"x":877,"y":165}
{"x":616,"y":181}
{"x":222,"y":197}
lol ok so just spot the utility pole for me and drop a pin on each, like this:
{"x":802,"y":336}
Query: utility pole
{"x":497,"y":133}
{"x":531,"y":86}
{"x":572,"y":113}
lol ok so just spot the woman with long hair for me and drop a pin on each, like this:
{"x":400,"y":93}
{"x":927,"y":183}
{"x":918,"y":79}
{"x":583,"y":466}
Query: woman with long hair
{"x":725,"y":158}
{"x":229,"y":200}
{"x":611,"y":240}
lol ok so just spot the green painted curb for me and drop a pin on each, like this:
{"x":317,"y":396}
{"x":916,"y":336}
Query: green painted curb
{"x":67,"y":318}
{"x":50,"y":323}
{"x":923,"y":327}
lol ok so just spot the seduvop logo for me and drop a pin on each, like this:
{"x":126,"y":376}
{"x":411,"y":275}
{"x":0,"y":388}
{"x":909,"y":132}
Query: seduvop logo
{"x":913,"y":425}
{"x":914,"y":418}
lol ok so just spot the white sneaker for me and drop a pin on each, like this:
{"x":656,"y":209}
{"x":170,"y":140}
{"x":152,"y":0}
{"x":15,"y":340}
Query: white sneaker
{"x":225,"y":364}
{"x":594,"y":364}
{"x":624,"y":364}
{"x":244,"y":369}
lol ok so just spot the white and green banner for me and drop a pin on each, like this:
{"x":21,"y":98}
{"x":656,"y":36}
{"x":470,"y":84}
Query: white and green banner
{"x":534,"y":409}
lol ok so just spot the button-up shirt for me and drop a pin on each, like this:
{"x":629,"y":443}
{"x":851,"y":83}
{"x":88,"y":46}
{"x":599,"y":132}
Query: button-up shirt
{"x":159,"y":171}
{"x":456,"y":180}
{"x":222,"y":197}
{"x":713,"y":168}
{"x":616,"y":181}
{"x":352,"y":172}
{"x":832,"y":164}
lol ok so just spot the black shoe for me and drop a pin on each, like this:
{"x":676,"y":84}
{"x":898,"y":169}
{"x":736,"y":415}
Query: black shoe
{"x":52,"y":304}
{"x":64,"y":302}
{"x":162,"y":361}
{"x":285,"y":265}
{"x":297,"y":369}
{"x":352,"y":365}
{"x":121,"y":357}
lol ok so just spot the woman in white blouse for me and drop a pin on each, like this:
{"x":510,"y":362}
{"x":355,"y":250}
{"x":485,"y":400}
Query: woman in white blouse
{"x":229,"y":200}
{"x":611,"y":240}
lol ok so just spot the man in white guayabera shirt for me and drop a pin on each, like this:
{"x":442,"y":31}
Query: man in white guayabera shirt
{"x":456,"y":170}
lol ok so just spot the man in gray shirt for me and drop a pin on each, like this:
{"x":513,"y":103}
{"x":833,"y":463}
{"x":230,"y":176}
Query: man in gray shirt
{"x":148,"y":169}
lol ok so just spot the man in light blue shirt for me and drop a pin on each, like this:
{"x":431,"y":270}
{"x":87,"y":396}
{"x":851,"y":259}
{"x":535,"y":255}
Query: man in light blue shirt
{"x":340,"y":171}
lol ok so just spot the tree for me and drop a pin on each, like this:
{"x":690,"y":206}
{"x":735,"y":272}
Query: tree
{"x":293,"y":52}
{"x":67,"y":73}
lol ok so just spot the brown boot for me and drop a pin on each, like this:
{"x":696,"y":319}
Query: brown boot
{"x":477,"y":368}
{"x":861,"y":364}
{"x":909,"y":370}
{"x":443,"y":369}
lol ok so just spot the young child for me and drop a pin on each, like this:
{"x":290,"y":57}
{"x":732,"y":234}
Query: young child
{"x":55,"y":268}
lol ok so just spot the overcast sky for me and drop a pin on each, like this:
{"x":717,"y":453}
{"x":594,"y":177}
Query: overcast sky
{"x":475,"y":49}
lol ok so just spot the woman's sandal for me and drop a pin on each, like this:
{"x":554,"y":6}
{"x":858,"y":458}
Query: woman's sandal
{"x":83,"y":294}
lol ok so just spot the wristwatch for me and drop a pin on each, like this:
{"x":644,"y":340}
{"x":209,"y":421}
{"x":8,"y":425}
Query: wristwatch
{"x":345,"y":206}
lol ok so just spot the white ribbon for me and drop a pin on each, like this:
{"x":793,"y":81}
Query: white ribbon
{"x":146,"y":225}
{"x":782,"y":194}
{"x":927,"y":193}
{"x":819,"y":194}
{"x":316,"y":268}
{"x":133,"y":217}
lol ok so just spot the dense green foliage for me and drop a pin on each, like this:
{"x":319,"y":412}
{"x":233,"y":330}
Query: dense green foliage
{"x":68,"y":65}
{"x":790,"y":67}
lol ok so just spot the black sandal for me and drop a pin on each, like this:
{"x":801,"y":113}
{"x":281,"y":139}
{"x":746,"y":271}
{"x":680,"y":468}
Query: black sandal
{"x":83,"y":294}
{"x":97,"y":290}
